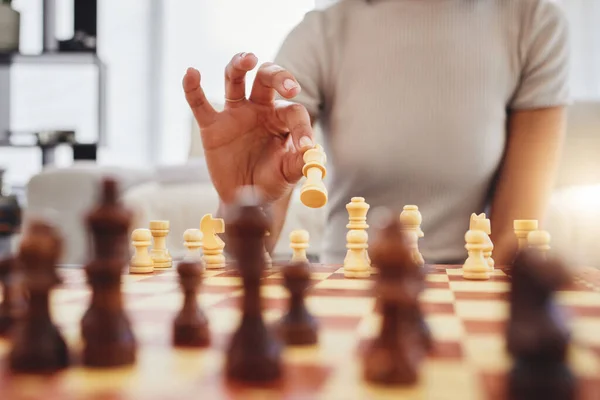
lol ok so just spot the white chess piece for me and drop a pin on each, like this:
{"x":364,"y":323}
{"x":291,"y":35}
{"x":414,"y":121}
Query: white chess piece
{"x":193,"y":242}
{"x":159,"y":253}
{"x":481,"y":223}
{"x":212,"y":245}
{"x":522,"y":227}
{"x":313,"y":192}
{"x":268,"y":259}
{"x":475,"y":267}
{"x":411,"y":220}
{"x":357,"y":219}
{"x":539,"y":240}
{"x":141,"y":262}
{"x":355,"y":263}
{"x":299,"y":243}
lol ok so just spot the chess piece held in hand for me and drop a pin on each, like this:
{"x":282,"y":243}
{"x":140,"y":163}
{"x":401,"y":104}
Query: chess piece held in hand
{"x":254,"y":352}
{"x":298,"y":326}
{"x":313,"y":193}
{"x":190,"y":327}
{"x":538,"y":335}
{"x":108,"y":339}
{"x":394,"y":356}
{"x":37,"y":344}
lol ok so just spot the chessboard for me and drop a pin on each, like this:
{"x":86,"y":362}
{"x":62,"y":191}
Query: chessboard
{"x":466,"y":318}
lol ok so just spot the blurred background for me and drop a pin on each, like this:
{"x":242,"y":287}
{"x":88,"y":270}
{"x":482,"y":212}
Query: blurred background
{"x":94,"y":87}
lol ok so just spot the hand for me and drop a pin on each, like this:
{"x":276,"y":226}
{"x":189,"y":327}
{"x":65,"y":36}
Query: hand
{"x":256,"y":141}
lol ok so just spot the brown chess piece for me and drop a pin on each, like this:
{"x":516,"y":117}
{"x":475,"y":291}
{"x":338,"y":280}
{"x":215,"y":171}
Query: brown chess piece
{"x":37,"y":344}
{"x":190,"y":328}
{"x":298,"y":326}
{"x":537,"y":332}
{"x":394,"y":356}
{"x":108,"y":340}
{"x":13,"y":303}
{"x":254,"y":353}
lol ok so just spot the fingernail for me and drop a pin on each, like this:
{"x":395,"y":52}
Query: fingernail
{"x":243,"y":55}
{"x":289,"y":84}
{"x":305,"y":141}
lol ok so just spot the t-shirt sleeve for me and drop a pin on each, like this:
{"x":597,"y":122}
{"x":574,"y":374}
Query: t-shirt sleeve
{"x":301,"y":53}
{"x":545,"y":54}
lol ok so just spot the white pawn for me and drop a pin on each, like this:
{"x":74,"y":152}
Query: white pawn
{"x":481,"y":223}
{"x":141,"y":262}
{"x":355,"y":263}
{"x":411,"y":220}
{"x":522,"y":227}
{"x":540,"y":241}
{"x":475,"y":267}
{"x":299,"y":243}
{"x":192,"y":240}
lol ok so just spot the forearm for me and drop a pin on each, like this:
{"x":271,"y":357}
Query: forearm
{"x":527,"y":175}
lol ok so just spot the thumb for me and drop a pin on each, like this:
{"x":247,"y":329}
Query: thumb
{"x":292,"y":166}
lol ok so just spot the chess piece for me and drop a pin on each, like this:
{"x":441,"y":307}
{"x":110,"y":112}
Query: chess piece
{"x":190,"y":328}
{"x":522,"y":227}
{"x":394,"y":356}
{"x":411,"y":220}
{"x":357,"y":219}
{"x":108,"y":340}
{"x":481,"y":223}
{"x":313,"y":193}
{"x":538,"y":335}
{"x":355,"y":262}
{"x":13,"y":304}
{"x":213,"y":246}
{"x":539,"y":241}
{"x":37,"y":344}
{"x":192,"y":240}
{"x":254,"y":352}
{"x":298,"y":326}
{"x":299,"y":243}
{"x":476,"y":267}
{"x":141,"y":262}
{"x":159,"y":253}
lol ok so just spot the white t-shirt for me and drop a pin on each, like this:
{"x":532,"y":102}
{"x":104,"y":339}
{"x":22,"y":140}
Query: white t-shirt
{"x":413,"y":97}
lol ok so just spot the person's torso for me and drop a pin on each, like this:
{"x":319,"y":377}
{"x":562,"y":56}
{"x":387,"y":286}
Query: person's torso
{"x":416,"y":112}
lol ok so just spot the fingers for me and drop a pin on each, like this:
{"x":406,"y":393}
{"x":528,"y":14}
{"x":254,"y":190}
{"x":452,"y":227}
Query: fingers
{"x":293,"y":163}
{"x":271,"y":79}
{"x":235,"y":76}
{"x":202,"y":109}
{"x":297,"y":120}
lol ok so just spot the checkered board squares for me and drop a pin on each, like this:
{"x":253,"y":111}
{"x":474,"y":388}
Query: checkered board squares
{"x":467,"y":320}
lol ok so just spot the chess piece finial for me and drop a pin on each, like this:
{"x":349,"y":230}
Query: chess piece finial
{"x":38,"y":345}
{"x":141,"y":262}
{"x":539,"y":240}
{"x":481,"y":223}
{"x":159,"y":253}
{"x":522,"y":227}
{"x":299,"y":240}
{"x":356,"y":263}
{"x":313,"y":193}
{"x":192,"y":240}
{"x":212,"y":245}
{"x":475,"y":267}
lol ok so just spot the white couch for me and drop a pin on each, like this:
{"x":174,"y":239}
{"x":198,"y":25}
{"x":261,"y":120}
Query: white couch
{"x":183,"y":194}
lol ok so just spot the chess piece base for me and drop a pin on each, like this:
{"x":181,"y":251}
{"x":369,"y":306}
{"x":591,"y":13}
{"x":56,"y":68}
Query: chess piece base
{"x":214,"y":261}
{"x":298,"y":333}
{"x":357,"y":274}
{"x":191,"y":335}
{"x":141,"y":269}
{"x":476,"y":275}
{"x":542,"y":380}
{"x":313,"y":197}
{"x":162,"y":264}
{"x":46,"y":353}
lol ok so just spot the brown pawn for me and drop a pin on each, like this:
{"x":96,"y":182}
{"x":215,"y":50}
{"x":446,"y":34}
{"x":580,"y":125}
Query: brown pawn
{"x":254,"y":353}
{"x":395,"y":354}
{"x":190,"y":328}
{"x":13,"y":303}
{"x":108,"y":340}
{"x":298,"y":326}
{"x":38,"y":345}
{"x":538,"y":335}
